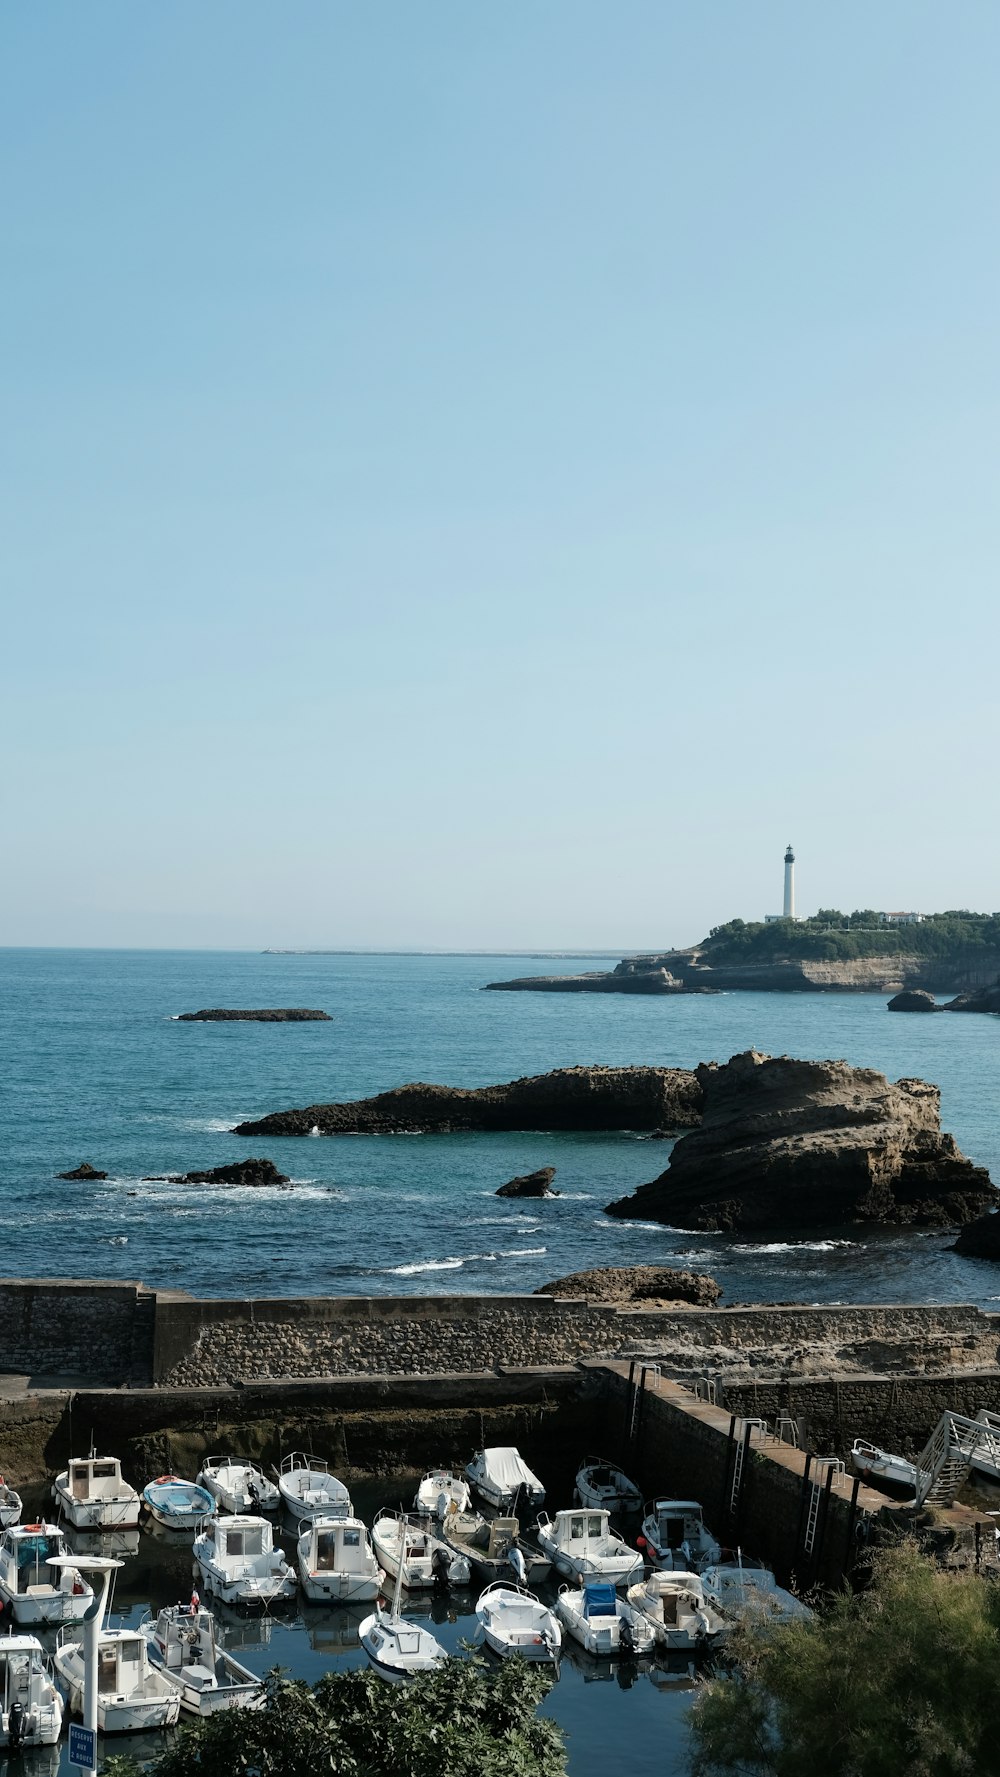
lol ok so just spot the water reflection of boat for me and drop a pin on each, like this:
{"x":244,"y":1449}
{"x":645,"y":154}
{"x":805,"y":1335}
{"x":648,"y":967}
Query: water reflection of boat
{"x":109,"y":1543}
{"x":240,"y":1632}
{"x":335,"y":1630}
{"x":594,"y":1669}
{"x":37,"y":1761}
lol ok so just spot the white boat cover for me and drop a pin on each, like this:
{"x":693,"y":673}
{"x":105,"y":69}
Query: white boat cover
{"x":505,"y":1467}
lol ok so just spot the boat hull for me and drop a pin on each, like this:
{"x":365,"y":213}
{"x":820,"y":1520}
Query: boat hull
{"x":98,"y":1514}
{"x":339,"y":1588}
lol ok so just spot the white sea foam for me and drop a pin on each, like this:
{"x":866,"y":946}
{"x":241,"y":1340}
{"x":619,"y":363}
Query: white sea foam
{"x":794,"y":1246}
{"x":455,"y":1264}
{"x":606,"y":1222}
{"x":428,"y":1265}
{"x":118,"y":1240}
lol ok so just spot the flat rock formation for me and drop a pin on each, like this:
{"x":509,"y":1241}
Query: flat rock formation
{"x":980,"y":999}
{"x":575,"y":1098}
{"x":265,"y":1015}
{"x":789,"y":1145}
{"x":637,"y":1286}
{"x":980,"y":1239}
{"x":531,"y":1184}
{"x":695,"y":971}
{"x":597,"y":981}
{"x":239,"y":1172}
{"x":913,"y":999}
{"x":83,"y":1171}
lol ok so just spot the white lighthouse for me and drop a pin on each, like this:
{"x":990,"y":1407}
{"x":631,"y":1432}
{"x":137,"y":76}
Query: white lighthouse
{"x":788,"y":910}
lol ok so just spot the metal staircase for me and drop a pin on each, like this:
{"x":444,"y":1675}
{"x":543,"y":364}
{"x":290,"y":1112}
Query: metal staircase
{"x":822,"y":1467}
{"x":944,"y":1463}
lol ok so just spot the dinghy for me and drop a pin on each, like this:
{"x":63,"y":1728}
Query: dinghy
{"x":37,"y":1593}
{"x":676,"y":1537}
{"x":503,"y":1479}
{"x":310,"y":1491}
{"x":395,"y":1647}
{"x":10,"y":1505}
{"x":891,"y":1474}
{"x":132,"y":1693}
{"x":488,"y":1547}
{"x":425,"y":1557}
{"x":239,"y":1563}
{"x":582,"y":1545}
{"x":92,"y":1494}
{"x":182,"y":1641}
{"x":744,"y":1587}
{"x":606,"y":1486}
{"x":178,"y":1504}
{"x":514,"y":1621}
{"x":31,"y":1709}
{"x":439,"y":1490}
{"x":676,"y":1606}
{"x":337,"y":1564}
{"x":238,"y":1486}
{"x":602,"y":1622}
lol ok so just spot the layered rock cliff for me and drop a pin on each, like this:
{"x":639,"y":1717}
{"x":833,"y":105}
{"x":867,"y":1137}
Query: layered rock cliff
{"x":694,"y":971}
{"x":788,"y":1145}
{"x":574,"y":1098}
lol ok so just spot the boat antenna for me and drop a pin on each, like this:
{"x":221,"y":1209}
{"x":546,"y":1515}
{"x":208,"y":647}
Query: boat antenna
{"x":397,"y":1591}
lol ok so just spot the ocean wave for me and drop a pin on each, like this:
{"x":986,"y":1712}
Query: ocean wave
{"x":426,"y":1265}
{"x":794,"y":1246}
{"x":455,"y":1264}
{"x":606,"y":1223}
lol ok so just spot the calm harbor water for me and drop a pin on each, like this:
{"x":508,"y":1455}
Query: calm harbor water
{"x":97,"y":1068}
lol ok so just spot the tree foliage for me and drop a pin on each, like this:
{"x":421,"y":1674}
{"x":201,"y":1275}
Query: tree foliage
{"x":901,"y":1680}
{"x":832,"y":936}
{"x":460,"y":1721}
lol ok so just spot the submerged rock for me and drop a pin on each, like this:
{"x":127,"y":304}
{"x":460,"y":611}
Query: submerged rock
{"x":913,"y":999}
{"x":788,"y":1145}
{"x":83,"y":1171}
{"x":266,"y":1015}
{"x":637,"y":1286}
{"x":239,"y":1172}
{"x":531,"y":1184}
{"x":575,"y":1098}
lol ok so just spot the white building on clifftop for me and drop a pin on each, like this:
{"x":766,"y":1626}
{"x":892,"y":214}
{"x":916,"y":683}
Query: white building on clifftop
{"x":788,"y":910}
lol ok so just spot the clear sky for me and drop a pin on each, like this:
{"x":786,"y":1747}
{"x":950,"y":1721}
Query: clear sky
{"x":492,"y":475}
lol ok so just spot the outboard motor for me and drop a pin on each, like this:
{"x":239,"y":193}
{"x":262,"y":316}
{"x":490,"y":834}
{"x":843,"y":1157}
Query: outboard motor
{"x":16,"y":1726}
{"x":626,"y":1640}
{"x":517,"y":1562}
{"x":439,"y":1567}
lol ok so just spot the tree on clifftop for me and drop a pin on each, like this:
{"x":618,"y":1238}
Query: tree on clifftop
{"x":460,"y":1721}
{"x":902,"y":1680}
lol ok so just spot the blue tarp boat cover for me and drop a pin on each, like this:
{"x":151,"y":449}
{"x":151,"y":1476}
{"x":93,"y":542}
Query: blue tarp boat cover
{"x":600,"y":1601}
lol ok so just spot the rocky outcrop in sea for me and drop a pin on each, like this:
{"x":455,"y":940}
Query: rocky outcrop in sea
{"x":265,"y":1015}
{"x":531,"y":1184}
{"x":788,"y":1145}
{"x":980,"y":1239}
{"x":239,"y":1172}
{"x":82,"y":1172}
{"x":637,"y":1286}
{"x":572,"y":1098}
{"x":977,"y":999}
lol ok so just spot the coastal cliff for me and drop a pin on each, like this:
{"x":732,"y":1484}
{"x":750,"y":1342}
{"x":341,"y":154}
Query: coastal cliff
{"x":575,"y":1098}
{"x":787,"y":1145}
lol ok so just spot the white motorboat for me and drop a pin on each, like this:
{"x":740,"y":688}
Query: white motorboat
{"x":676,"y":1537}
{"x":182,"y":1640}
{"x":92,"y":1494}
{"x":238,"y":1486}
{"x":426,"y":1558}
{"x":892,"y":1474}
{"x":676,"y":1606}
{"x":31,"y":1709}
{"x":337,"y":1564}
{"x":239,"y":1563}
{"x":37,"y":1593}
{"x":132,"y":1693}
{"x":745,"y":1587}
{"x":494,"y":1549}
{"x":582,"y":1545}
{"x":10,"y":1504}
{"x":503,"y":1479}
{"x":439,"y":1490}
{"x":514,"y":1621}
{"x":602,"y":1622}
{"x":605,"y":1485}
{"x":178,"y":1504}
{"x":310,"y":1491}
{"x":395,"y":1647}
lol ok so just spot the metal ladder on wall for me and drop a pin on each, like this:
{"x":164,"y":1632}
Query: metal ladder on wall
{"x":646,"y":1371}
{"x":826,"y":1463}
{"x":742,"y":1444}
{"x":944,"y":1463}
{"x":786,"y":1430}
{"x":706,"y":1390}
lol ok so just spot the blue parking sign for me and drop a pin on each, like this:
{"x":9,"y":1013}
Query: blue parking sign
{"x":82,"y":1746}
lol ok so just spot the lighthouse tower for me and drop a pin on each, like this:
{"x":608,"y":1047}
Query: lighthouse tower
{"x":788,"y":911}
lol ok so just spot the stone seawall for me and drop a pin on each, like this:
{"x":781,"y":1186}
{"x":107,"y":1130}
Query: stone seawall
{"x":62,"y":1329}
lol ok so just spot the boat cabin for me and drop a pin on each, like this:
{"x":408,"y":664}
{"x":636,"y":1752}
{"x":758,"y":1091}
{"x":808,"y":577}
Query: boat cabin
{"x":95,"y":1477}
{"x":676,"y":1522}
{"x":25,"y":1554}
{"x":241,"y":1539}
{"x":574,"y":1530}
{"x":338,"y":1547}
{"x":121,"y":1663}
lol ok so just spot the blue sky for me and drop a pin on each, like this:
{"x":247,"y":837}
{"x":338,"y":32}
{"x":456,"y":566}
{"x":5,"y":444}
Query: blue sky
{"x":491,"y":476}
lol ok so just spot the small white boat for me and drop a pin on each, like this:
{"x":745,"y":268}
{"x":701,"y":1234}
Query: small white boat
{"x":337,"y":1563}
{"x":239,"y":1563}
{"x":310,"y":1491}
{"x":494,"y":1549}
{"x":504,"y":1480}
{"x":238,"y":1486}
{"x":883,"y":1470}
{"x":605,"y":1485}
{"x":602,"y":1622}
{"x":182,"y":1640}
{"x":178,"y":1504}
{"x":582,"y":1545}
{"x":132,"y":1693}
{"x":741,"y":1587}
{"x":425,"y":1557}
{"x":92,"y":1494}
{"x":514,"y":1621}
{"x":676,"y":1537}
{"x":31,"y":1709}
{"x":439,"y":1490}
{"x":10,"y":1504}
{"x":37,"y":1593}
{"x":675,"y":1604}
{"x":395,"y":1647}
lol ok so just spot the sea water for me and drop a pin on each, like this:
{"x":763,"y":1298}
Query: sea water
{"x":96,"y":1067}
